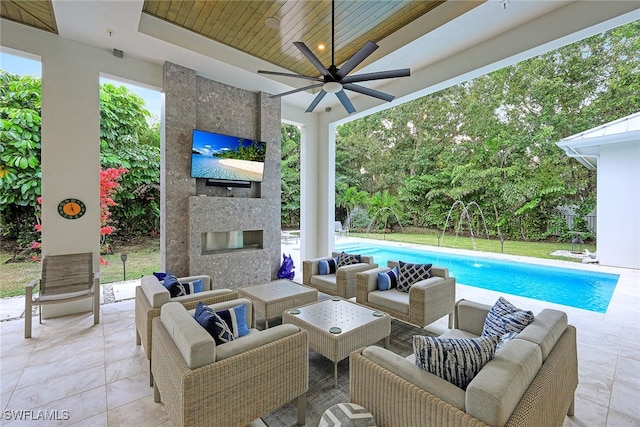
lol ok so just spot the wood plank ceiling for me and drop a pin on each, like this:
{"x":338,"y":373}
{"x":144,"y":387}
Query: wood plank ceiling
{"x":38,"y":14}
{"x":241,"y":25}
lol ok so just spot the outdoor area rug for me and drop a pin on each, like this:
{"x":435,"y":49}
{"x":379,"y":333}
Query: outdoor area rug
{"x":322,"y":394}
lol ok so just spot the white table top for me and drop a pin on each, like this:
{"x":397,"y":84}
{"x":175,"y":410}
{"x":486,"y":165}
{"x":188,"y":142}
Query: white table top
{"x":332,"y":313}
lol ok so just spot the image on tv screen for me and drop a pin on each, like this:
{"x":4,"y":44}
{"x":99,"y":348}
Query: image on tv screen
{"x":216,"y":156}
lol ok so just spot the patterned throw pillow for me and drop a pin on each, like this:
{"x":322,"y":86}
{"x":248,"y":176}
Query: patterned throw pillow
{"x":456,"y":360}
{"x":236,"y":320}
{"x":388,"y":279}
{"x":327,"y":266}
{"x":505,"y":317}
{"x":505,"y":339}
{"x":409,"y":274}
{"x":213,"y":324}
{"x":177,"y":289}
{"x":348,"y":259}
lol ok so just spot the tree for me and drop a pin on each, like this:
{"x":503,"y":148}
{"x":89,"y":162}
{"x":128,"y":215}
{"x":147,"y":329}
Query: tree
{"x":492,"y":140}
{"x":126,"y":141}
{"x":19,"y":154}
{"x":290,"y":179}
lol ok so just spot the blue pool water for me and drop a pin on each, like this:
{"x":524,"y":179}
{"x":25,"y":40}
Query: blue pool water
{"x":575,"y":288}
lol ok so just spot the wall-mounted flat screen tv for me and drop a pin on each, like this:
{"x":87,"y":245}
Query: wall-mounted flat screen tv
{"x":228,"y":158}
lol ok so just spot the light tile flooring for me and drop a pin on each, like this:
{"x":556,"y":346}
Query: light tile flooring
{"x":99,"y":376}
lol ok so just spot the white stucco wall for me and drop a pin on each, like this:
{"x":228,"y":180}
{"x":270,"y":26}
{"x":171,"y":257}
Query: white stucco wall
{"x":619,"y":205}
{"x":70,"y":150}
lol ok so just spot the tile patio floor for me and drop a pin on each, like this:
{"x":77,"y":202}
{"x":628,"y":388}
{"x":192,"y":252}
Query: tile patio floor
{"x":99,"y":375}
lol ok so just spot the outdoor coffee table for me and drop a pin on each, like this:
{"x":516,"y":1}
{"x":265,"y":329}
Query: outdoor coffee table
{"x":336,"y":327}
{"x":273,"y":298}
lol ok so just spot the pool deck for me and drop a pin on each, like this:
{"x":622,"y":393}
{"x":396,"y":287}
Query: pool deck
{"x":100,"y":376}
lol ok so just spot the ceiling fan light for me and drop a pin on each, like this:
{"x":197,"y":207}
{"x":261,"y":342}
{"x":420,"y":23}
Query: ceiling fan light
{"x":332,"y":87}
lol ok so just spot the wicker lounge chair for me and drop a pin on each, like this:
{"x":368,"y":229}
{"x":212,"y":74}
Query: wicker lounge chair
{"x":342,"y":283}
{"x":232,"y":384}
{"x":151,"y":295}
{"x":427,"y":300}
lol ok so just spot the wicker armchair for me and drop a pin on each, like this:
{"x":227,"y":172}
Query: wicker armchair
{"x":151,"y":295}
{"x":204,"y":384}
{"x":342,"y":283}
{"x":426,"y":302}
{"x":64,"y":278}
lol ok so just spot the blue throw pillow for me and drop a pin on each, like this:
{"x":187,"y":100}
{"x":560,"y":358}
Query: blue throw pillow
{"x":388,"y":279}
{"x":213,"y":324}
{"x":160,"y":276}
{"x":177,"y":289}
{"x":327,"y":266}
{"x":236,"y":320}
{"x":173,"y":286}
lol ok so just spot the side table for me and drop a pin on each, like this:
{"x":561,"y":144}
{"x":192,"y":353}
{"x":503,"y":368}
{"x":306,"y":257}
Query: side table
{"x":272,"y":299}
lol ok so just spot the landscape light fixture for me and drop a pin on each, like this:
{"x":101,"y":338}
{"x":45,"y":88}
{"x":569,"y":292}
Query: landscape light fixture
{"x":123,"y":257}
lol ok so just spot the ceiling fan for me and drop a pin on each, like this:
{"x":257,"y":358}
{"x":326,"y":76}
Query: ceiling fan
{"x":336,"y":80}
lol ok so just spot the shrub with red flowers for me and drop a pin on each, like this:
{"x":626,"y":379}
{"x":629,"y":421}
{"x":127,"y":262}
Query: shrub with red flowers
{"x":108,"y":187}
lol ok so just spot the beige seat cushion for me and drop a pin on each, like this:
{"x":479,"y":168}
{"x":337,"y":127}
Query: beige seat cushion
{"x":392,"y":299}
{"x":253,"y":340}
{"x":327,"y":281}
{"x":407,"y":369}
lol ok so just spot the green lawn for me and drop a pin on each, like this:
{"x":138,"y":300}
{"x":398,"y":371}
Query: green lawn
{"x":143,"y":257}
{"x":511,"y":247}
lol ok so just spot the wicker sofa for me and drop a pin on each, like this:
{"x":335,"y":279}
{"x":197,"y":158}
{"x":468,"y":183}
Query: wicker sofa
{"x":426,"y":301}
{"x":531,"y":380}
{"x":204,"y":384}
{"x":342,"y":283}
{"x":151,"y":295}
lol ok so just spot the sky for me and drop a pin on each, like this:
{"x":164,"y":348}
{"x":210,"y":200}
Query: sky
{"x":28,"y":67}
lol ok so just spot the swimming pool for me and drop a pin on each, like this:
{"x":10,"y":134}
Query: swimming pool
{"x":575,"y":288}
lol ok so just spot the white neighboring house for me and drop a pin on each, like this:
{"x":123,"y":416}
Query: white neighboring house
{"x":613,"y":150}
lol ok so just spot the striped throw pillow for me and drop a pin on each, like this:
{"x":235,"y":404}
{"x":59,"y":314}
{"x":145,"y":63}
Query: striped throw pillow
{"x":388,"y":279}
{"x":505,"y":317}
{"x":456,"y":360}
{"x":327,"y":266}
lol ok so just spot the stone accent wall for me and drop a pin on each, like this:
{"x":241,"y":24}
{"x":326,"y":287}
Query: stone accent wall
{"x":190,"y":208}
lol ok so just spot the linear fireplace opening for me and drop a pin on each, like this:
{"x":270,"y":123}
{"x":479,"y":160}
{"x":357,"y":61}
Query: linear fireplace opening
{"x":214,"y":242}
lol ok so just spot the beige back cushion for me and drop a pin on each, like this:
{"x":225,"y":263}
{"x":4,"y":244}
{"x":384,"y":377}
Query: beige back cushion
{"x":495,"y":391}
{"x":156,"y":293}
{"x":545,"y":330}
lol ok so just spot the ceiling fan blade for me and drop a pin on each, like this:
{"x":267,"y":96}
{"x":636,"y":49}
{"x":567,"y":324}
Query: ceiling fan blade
{"x":379,"y":75}
{"x":316,"y":101}
{"x":297,"y":76}
{"x":296,"y":90}
{"x":367,"y":91}
{"x":356,"y":59}
{"x":312,"y":58}
{"x":346,"y":103}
